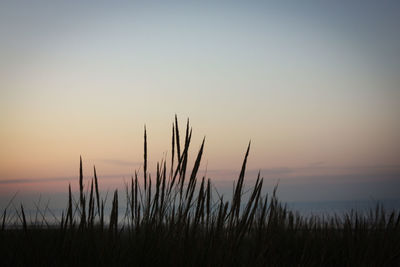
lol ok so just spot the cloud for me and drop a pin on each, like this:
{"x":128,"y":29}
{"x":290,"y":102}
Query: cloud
{"x":120,"y":162}
{"x":35,"y":180}
{"x":281,"y":170}
{"x":267,"y":171}
{"x":317,"y":163}
{"x":60,"y":179}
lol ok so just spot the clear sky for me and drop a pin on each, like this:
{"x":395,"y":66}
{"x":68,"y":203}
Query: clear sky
{"x":314,"y":85}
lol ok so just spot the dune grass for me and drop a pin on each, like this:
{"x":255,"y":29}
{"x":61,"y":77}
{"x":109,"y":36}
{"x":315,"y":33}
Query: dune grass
{"x":176,"y":219}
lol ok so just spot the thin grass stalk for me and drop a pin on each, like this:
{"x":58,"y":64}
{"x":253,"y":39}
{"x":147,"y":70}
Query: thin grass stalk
{"x":155,"y":204}
{"x":81,"y":194}
{"x":188,"y":201}
{"x":178,"y":145}
{"x":236,"y":200}
{"x":182,"y":173}
{"x":3,"y":224}
{"x":147,"y":203}
{"x":185,"y":157}
{"x":113,"y":227}
{"x":132,"y":202}
{"x":62,"y":224}
{"x":69,"y":210}
{"x":162,"y":203}
{"x":102,"y":215}
{"x":178,"y":167}
{"x":24,"y":225}
{"x":80,"y":181}
{"x":91,"y":206}
{"x":145,"y":159}
{"x":137,"y":207}
{"x":223,"y":208}
{"x":200,"y":203}
{"x":248,"y":220}
{"x":82,"y":224}
{"x":172,"y":151}
{"x":37,"y":209}
{"x":253,"y":200}
{"x":197,"y":163}
{"x":262,"y":218}
{"x":97,"y":189}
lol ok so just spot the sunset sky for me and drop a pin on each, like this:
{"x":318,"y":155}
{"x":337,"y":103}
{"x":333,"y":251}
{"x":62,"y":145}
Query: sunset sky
{"x":314,"y":85}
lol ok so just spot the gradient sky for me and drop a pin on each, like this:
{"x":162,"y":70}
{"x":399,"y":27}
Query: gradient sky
{"x":314,"y":85}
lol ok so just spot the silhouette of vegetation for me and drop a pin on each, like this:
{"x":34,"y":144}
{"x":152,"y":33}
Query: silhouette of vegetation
{"x":177,"y":219}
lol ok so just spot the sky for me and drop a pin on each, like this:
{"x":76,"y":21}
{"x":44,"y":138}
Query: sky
{"x":315,"y":86}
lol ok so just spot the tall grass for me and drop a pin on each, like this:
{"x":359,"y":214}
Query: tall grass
{"x":175,"y":218}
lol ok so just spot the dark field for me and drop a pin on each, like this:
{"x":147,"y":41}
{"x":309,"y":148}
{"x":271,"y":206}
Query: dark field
{"x":178,"y":219}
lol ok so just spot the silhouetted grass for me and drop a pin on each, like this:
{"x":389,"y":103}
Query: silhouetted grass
{"x":174,"y":219}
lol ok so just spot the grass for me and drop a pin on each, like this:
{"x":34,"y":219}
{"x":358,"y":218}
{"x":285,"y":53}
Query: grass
{"x":177,"y":219}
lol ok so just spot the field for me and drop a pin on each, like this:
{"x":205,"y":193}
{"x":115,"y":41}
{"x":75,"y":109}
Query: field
{"x":176,"y":218}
